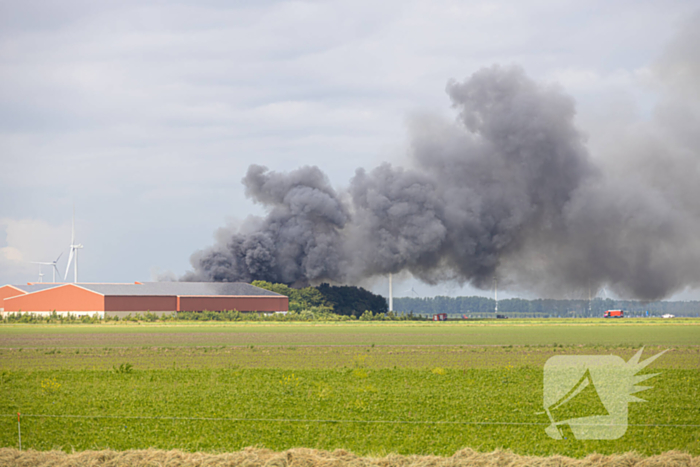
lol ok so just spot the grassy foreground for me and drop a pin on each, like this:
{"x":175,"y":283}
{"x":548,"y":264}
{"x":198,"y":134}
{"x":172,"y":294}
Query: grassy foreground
{"x":436,"y":411}
{"x":369,"y":399}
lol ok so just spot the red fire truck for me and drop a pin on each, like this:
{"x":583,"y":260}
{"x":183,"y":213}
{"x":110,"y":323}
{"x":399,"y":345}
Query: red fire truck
{"x":614,"y":314}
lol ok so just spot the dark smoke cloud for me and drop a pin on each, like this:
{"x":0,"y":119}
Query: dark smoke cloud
{"x":298,"y":241}
{"x":510,"y":191}
{"x":473,"y":196}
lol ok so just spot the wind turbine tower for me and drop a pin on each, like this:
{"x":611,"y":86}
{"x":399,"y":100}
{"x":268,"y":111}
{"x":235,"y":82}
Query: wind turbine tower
{"x":495,"y":292}
{"x":391,"y":292}
{"x":74,"y":247}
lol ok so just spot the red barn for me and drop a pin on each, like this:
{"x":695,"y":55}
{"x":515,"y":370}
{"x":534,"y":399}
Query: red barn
{"x":154,"y":297}
{"x":7,"y":291}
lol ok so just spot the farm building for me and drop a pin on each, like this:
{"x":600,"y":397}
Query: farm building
{"x":140,"y":297}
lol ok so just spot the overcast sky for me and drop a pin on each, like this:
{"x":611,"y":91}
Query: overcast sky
{"x":146,"y":115}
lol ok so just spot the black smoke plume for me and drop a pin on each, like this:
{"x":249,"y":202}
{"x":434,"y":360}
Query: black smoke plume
{"x":299,"y":241}
{"x":510,"y":191}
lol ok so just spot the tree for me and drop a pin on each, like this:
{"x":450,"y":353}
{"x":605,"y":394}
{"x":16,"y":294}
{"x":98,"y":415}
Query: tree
{"x":352,"y":301}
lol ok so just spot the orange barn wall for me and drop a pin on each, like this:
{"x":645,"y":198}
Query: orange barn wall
{"x":140,"y":303}
{"x":64,"y":298}
{"x":257,"y":303}
{"x":9,"y":291}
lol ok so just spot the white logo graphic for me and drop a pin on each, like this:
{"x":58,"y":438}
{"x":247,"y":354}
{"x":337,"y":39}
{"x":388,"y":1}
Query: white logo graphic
{"x":589,"y":394}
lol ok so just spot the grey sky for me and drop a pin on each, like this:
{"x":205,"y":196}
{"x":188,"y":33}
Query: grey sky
{"x":146,"y":115}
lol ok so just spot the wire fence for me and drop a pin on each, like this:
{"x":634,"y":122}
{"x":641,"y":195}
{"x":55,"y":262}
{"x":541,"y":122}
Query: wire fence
{"x":318,"y":420}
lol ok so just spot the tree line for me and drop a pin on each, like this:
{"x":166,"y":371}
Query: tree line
{"x":541,"y":307}
{"x":353,"y":301}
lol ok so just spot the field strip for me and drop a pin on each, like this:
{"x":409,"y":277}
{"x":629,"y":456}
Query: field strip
{"x":321,"y":357}
{"x":285,"y":334}
{"x":301,"y":457}
{"x":143,"y":326}
{"x":349,"y":346}
{"x":305,"y":420}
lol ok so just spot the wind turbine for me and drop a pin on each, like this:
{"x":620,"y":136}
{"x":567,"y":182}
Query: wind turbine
{"x":55,"y":268}
{"x":495,"y":292}
{"x":391,"y":292}
{"x":74,"y":247}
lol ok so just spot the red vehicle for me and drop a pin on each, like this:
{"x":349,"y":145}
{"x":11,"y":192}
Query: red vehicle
{"x":440,"y":317}
{"x":614,"y":314}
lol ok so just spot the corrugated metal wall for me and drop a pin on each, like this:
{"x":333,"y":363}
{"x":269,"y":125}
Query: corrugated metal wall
{"x":263,"y":303}
{"x":141,"y":304}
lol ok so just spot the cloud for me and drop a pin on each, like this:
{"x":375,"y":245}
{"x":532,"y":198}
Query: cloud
{"x":28,"y":240}
{"x":114,"y":105}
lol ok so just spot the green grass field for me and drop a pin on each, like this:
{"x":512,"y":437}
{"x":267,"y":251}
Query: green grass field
{"x":371,"y":388}
{"x":513,"y":332}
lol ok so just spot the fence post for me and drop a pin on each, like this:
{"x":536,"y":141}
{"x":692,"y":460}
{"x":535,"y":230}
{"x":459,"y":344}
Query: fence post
{"x":19,"y":432}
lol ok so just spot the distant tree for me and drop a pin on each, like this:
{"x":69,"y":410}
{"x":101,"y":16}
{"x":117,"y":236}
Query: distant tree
{"x":299,"y":299}
{"x":352,"y":301}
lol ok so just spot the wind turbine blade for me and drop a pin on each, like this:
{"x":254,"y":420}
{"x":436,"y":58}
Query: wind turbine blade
{"x":59,"y":257}
{"x":56,"y":272}
{"x":70,"y":259}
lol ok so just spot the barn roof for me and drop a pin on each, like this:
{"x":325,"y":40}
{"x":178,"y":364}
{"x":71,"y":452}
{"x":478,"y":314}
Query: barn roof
{"x":179,"y":288}
{"x":163,"y":289}
{"x":29,"y":288}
